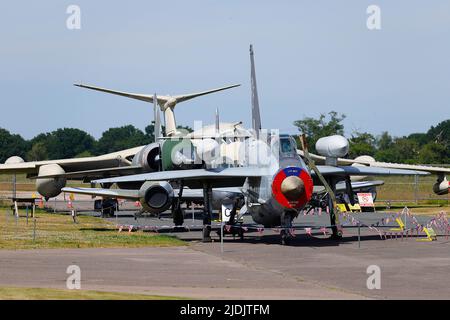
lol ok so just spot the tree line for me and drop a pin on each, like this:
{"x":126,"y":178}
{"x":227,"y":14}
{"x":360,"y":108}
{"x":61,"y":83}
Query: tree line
{"x":431,"y":147}
{"x":74,"y":143}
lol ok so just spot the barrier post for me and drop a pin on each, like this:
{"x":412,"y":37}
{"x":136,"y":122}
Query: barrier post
{"x":359,"y":235}
{"x":221,"y":235}
{"x":34,"y":229}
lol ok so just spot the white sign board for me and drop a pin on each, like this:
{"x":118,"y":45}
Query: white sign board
{"x":365,"y":199}
{"x":226,"y":212}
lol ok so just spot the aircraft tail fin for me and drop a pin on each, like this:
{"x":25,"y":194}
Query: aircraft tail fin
{"x":157,"y":130}
{"x":217,"y":122}
{"x":256,"y":116}
{"x":166,"y":103}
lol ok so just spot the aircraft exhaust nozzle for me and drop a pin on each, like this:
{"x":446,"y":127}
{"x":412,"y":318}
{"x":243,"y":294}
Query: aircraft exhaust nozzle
{"x":292,"y":188}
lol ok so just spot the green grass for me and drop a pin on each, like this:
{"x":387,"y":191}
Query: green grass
{"x":57,"y":294}
{"x":403,"y":188}
{"x":59,"y":231}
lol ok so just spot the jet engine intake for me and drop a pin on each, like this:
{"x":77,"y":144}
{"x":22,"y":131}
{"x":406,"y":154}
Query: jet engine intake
{"x":50,"y":187}
{"x":148,"y":158}
{"x":156,"y":196}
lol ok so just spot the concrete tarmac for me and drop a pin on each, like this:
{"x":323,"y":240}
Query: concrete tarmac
{"x":256,"y":268}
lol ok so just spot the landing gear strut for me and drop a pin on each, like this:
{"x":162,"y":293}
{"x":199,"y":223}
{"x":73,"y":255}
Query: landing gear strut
{"x":207,"y":212}
{"x":177,"y":212}
{"x":334,"y":219}
{"x":286,"y":224}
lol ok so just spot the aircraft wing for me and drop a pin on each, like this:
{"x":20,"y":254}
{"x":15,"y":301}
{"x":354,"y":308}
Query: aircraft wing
{"x":93,"y":174}
{"x":109,"y":160}
{"x":364,"y":171}
{"x":219,"y":177}
{"x":430,"y":169}
{"x":356,"y":186}
{"x":194,"y":174}
{"x":378,"y":164}
{"x":188,"y":194}
{"x":112,"y":193}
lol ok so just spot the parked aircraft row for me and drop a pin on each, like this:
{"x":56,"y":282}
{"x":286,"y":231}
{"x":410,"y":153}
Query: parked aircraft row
{"x":262,"y":172}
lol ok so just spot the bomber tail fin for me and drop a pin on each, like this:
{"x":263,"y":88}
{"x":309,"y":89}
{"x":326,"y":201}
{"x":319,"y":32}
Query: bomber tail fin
{"x":166,"y":103}
{"x":157,"y":128}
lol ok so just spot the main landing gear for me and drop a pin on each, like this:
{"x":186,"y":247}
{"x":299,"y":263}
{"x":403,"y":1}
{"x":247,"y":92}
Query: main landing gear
{"x":334,"y":218}
{"x":177,"y":212}
{"x":207,"y":212}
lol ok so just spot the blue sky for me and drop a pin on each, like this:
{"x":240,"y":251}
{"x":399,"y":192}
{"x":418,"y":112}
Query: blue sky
{"x":311,"y":57}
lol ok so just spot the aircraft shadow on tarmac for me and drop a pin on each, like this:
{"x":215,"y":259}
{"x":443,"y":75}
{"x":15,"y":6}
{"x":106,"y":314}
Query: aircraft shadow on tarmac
{"x":300,"y":240}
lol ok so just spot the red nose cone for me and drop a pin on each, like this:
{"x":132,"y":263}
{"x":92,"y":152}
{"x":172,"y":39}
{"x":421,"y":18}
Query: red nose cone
{"x":292,"y":187}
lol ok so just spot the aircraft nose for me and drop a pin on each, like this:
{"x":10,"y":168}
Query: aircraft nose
{"x":292,"y":188}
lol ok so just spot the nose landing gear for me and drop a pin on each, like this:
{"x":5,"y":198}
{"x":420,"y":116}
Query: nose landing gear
{"x":286,"y":225}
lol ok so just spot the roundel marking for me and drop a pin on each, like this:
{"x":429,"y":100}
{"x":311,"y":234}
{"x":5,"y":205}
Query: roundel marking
{"x":278,"y":180}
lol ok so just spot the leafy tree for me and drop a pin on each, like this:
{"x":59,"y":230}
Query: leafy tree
{"x":361,"y":143}
{"x":150,"y":131}
{"x":84,"y":154}
{"x":440,"y":133}
{"x":384,"y":142}
{"x":434,"y":153}
{"x":11,"y":145}
{"x":65,"y":143}
{"x":318,"y":128}
{"x":38,"y":152}
{"x":420,"y":138}
{"x":116,"y":139}
{"x":402,"y":150}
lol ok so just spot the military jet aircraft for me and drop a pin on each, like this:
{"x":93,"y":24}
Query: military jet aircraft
{"x":51,"y":175}
{"x":273,"y":178}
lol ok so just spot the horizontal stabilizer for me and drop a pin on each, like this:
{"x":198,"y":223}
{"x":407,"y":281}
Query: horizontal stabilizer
{"x":162,"y":100}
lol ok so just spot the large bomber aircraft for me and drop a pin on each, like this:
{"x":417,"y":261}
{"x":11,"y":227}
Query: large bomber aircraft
{"x":51,"y":175}
{"x":275,"y":187}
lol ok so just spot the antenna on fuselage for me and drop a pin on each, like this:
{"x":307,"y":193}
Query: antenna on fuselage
{"x":256,"y":117}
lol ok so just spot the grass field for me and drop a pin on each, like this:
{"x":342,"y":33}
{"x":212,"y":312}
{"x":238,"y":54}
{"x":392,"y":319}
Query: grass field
{"x":59,"y":231}
{"x":403,"y":188}
{"x":57,"y":294}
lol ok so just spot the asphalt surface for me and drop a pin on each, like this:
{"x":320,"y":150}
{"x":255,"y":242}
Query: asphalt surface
{"x":258,"y":267}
